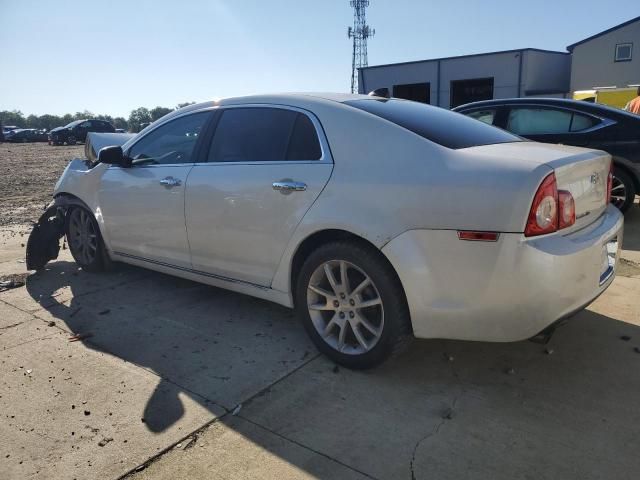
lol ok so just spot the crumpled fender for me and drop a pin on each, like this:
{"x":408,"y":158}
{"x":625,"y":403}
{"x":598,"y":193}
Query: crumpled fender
{"x":43,"y":244}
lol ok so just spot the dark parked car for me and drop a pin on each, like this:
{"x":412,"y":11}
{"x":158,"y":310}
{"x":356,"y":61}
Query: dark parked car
{"x":77,"y":131}
{"x":24,"y":135}
{"x":571,"y":122}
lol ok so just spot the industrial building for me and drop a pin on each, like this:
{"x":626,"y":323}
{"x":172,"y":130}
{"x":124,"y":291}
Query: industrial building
{"x":603,"y":60}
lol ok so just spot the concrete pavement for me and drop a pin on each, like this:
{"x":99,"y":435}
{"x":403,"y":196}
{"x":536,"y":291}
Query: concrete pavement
{"x":182,"y":380}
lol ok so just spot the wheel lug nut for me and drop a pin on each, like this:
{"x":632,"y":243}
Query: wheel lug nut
{"x":352,"y":302}
{"x":351,"y":315}
{"x":342,"y":295}
{"x":336,"y":303}
{"x":341,"y":314}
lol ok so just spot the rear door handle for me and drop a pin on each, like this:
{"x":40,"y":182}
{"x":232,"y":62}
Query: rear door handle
{"x":170,"y":182}
{"x":287,"y":186}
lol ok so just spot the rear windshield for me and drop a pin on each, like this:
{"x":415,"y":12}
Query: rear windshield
{"x":449,"y":129}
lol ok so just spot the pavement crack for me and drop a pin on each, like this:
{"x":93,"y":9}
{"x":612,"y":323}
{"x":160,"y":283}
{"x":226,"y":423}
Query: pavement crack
{"x":306,"y":447}
{"x":432,"y":433}
{"x":11,"y":326}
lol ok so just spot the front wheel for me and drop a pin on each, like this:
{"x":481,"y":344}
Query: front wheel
{"x":85,"y":242}
{"x":352,"y":304}
{"x":623,"y":190}
{"x":71,"y":140}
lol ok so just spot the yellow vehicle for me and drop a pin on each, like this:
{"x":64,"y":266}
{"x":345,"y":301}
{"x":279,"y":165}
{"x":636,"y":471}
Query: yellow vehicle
{"x":612,"y":96}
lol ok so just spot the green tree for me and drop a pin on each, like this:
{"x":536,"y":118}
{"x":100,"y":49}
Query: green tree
{"x":120,"y":122}
{"x":14,"y":117}
{"x":137,"y":118}
{"x":159,"y":112}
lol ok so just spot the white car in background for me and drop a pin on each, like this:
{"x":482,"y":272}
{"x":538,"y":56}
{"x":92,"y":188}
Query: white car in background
{"x":377,"y":219}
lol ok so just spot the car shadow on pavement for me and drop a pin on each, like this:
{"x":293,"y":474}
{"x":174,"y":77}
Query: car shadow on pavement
{"x":560,"y":408}
{"x":631,"y":239}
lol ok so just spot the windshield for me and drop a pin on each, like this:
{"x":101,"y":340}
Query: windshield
{"x":442,"y":126}
{"x":73,"y":124}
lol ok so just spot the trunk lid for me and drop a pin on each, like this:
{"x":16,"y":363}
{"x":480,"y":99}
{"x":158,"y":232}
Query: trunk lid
{"x":585,"y":176}
{"x":580,"y":171}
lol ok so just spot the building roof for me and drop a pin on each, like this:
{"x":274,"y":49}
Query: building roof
{"x":628,"y":22}
{"x":517,"y":50}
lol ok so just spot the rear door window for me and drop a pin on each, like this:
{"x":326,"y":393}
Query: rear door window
{"x":446,"y":128}
{"x":487,"y":116}
{"x":264,"y":134}
{"x":541,"y":121}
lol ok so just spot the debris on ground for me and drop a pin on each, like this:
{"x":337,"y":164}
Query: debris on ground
{"x":191,"y":442}
{"x":51,"y":323}
{"x":80,"y":336}
{"x":236,"y":410}
{"x":104,"y":312}
{"x":87,"y":413}
{"x":625,"y":338}
{"x":510,"y":371}
{"x":448,"y":357}
{"x":104,"y":441}
{"x":15,"y":280}
{"x":548,"y":351}
{"x":447,"y":414}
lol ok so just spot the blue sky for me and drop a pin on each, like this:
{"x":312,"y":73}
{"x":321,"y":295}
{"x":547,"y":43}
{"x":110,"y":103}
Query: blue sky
{"x":110,"y":56}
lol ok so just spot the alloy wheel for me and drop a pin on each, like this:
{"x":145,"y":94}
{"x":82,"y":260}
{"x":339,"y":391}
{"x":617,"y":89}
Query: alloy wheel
{"x":83,"y":238}
{"x":345,"y":307}
{"x":618,"y":192}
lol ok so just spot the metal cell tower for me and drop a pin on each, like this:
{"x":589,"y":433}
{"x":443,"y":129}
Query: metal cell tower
{"x":360,"y":32}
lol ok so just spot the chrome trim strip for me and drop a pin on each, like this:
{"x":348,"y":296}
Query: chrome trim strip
{"x":190,"y":270}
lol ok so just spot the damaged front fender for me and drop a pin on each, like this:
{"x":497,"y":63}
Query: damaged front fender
{"x":44,"y":241}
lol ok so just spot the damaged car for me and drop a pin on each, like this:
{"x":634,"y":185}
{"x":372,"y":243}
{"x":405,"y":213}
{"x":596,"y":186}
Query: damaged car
{"x":377,"y":219}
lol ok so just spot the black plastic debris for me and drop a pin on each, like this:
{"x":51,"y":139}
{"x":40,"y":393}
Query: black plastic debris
{"x":10,"y":284}
{"x":44,"y":241}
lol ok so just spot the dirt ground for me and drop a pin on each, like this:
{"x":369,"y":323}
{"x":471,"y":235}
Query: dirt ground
{"x":29,"y":171}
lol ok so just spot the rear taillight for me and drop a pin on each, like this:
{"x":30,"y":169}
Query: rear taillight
{"x":610,"y":183}
{"x":567,"y":209}
{"x":551,"y":210}
{"x":543,"y":216}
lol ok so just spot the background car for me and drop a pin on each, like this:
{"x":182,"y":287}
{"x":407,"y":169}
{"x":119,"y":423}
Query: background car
{"x":25,"y":135}
{"x":77,"y":131}
{"x":377,"y":219}
{"x":570,"y":122}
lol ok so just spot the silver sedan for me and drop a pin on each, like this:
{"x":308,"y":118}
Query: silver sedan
{"x":376,"y":219}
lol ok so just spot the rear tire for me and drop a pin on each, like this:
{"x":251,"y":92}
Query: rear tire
{"x":358,"y":322}
{"x":623,"y":192}
{"x":71,"y":140}
{"x":84,"y":239}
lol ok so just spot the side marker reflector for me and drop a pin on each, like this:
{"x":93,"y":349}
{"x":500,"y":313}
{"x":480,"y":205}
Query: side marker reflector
{"x":474,"y":236}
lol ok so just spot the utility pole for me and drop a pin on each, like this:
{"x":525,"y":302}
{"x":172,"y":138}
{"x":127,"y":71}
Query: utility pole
{"x":360,"y":32}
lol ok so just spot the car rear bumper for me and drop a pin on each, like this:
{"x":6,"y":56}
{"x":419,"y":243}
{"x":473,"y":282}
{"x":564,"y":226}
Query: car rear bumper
{"x":507,"y":290}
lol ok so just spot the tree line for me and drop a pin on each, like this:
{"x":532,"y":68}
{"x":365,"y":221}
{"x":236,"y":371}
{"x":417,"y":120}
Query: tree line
{"x":137,"y":118}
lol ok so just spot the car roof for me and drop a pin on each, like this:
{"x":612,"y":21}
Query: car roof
{"x":284,"y":98}
{"x":580,"y":105}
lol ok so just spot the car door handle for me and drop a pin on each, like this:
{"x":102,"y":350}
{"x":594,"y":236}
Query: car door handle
{"x":170,"y":182}
{"x":286,"y":186}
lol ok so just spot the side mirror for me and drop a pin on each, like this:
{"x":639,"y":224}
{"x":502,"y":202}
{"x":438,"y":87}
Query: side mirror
{"x":113,"y":156}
